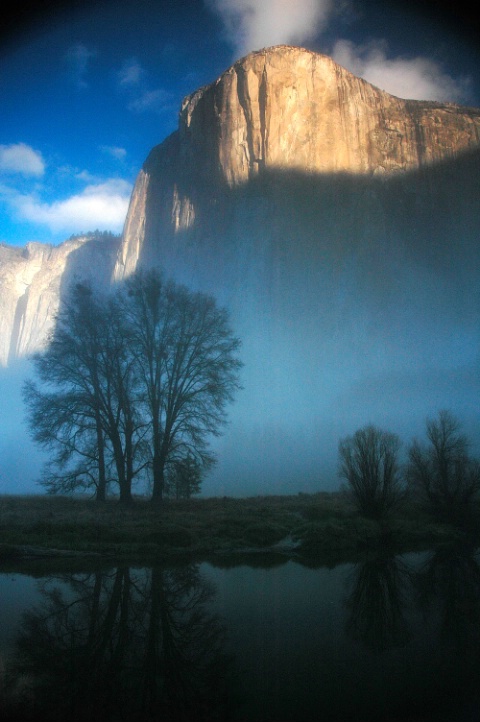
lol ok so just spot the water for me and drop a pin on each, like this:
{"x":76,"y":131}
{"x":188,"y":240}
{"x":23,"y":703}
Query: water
{"x":388,"y":638}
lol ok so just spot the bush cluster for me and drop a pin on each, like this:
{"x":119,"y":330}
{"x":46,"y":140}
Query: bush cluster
{"x":439,"y":474}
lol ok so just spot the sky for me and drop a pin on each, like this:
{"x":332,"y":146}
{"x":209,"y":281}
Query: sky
{"x":87,"y":89}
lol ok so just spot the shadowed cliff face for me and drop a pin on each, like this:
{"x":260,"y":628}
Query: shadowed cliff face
{"x":356,"y":300}
{"x":340,"y":225}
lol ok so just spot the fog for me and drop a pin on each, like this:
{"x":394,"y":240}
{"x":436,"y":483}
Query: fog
{"x":280,"y":443}
{"x":356,"y":301}
{"x":283,"y":455}
{"x":20,"y":460}
{"x":294,"y":408}
{"x":299,"y":399}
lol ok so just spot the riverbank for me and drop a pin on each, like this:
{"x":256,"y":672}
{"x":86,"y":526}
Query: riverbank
{"x":303,"y":526}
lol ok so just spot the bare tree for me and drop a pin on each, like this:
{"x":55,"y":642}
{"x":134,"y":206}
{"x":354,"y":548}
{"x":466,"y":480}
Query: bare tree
{"x":183,"y":478}
{"x":84,"y":405}
{"x":186,"y":360}
{"x":441,"y":473}
{"x":133,"y":381}
{"x":369,"y":463}
{"x":61,"y":423}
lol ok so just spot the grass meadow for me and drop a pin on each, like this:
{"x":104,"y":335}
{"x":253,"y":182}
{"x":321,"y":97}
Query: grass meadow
{"x":303,"y":525}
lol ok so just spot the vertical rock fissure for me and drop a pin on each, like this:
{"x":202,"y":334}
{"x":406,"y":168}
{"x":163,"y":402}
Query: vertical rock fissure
{"x":262,"y":101}
{"x":412,"y":110}
{"x":244,"y":104}
{"x":18,"y":321}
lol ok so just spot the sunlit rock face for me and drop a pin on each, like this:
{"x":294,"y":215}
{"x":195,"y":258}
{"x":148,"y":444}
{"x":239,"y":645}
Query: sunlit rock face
{"x":32,"y":281}
{"x":289,"y":108}
{"x":277,"y":110}
{"x":340,"y":226}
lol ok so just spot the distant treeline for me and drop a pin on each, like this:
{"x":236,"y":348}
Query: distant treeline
{"x":98,"y":235}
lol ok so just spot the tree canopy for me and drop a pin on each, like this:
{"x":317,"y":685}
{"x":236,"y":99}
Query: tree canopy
{"x":132,"y":386}
{"x":369,"y":463}
{"x":441,"y":473}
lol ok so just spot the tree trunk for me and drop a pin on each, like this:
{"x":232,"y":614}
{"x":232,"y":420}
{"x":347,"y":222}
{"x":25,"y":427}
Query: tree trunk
{"x":158,"y":478}
{"x":125,"y":494}
{"x":124,"y":483}
{"x":158,"y":461}
{"x":102,"y":479}
{"x":129,"y":461}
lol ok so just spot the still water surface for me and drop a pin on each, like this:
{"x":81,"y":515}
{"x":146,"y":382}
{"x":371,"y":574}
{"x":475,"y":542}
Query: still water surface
{"x":389,"y":638}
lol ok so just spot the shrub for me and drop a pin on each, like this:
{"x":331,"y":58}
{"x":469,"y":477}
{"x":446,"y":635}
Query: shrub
{"x":368,"y":462}
{"x":441,"y":474}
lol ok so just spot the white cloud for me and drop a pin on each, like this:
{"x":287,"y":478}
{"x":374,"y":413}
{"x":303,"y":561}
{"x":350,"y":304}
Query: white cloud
{"x":417,"y":78}
{"x":114,"y":151}
{"x":131,"y":73}
{"x":22,"y":159}
{"x":83,"y":175}
{"x":254,"y":24}
{"x":78,"y":58}
{"x":156,"y":100}
{"x":133,"y":80}
{"x":103,"y":205}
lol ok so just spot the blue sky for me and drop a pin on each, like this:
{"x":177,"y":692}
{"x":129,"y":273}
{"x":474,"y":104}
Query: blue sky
{"x":87,"y":89}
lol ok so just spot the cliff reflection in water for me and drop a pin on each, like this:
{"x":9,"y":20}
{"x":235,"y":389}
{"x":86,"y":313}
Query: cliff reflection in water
{"x":123,"y":644}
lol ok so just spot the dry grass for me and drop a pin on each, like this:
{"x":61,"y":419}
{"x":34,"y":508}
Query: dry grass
{"x":318,"y":523}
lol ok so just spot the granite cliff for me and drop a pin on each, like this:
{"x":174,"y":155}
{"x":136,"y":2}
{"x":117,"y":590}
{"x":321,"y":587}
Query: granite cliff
{"x":340,"y":225}
{"x":32,"y":281}
{"x":277,"y":111}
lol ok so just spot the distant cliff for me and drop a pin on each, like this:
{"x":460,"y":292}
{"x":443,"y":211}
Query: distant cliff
{"x":32,"y":281}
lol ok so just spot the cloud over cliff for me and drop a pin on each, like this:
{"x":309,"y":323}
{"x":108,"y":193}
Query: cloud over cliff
{"x":88,"y":202}
{"x":253,"y":24}
{"x":418,"y":78}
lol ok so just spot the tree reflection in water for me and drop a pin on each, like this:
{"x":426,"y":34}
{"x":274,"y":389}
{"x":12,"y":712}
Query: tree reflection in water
{"x":143,"y":644}
{"x":449,"y":582}
{"x":445,"y":651}
{"x":379,"y":589}
{"x":448,"y":590}
{"x":124,"y":644}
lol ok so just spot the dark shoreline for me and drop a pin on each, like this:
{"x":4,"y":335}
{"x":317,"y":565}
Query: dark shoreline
{"x":317,"y":530}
